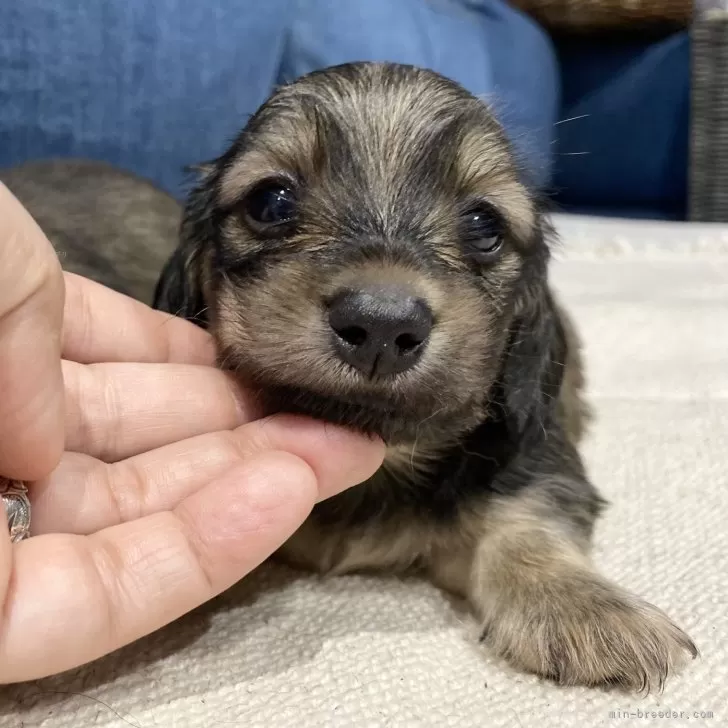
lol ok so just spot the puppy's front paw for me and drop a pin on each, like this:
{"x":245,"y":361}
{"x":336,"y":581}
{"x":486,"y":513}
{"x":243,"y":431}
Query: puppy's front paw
{"x":582,"y":630}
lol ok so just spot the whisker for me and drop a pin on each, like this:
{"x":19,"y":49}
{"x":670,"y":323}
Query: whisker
{"x":479,"y":455}
{"x":572,"y":118}
{"x":417,"y":436}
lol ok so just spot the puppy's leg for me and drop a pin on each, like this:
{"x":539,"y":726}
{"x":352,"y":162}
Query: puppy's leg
{"x":546,"y":610}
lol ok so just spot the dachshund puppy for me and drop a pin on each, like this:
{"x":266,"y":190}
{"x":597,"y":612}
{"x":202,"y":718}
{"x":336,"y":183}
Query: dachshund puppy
{"x":366,"y":253}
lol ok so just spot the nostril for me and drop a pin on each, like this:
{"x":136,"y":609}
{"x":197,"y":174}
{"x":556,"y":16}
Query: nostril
{"x":379,"y":330}
{"x":407,"y":342}
{"x":354,"y":335}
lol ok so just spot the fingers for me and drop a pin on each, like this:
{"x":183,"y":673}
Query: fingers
{"x":31,"y":308}
{"x":103,"y":325}
{"x":85,"y":495}
{"x":72,"y":599}
{"x":114,"y":411}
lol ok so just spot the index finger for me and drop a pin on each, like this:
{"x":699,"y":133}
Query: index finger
{"x":31,"y":309}
{"x":102,"y":325}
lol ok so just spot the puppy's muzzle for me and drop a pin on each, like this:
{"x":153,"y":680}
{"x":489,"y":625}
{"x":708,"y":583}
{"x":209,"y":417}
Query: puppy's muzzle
{"x":379,"y":330}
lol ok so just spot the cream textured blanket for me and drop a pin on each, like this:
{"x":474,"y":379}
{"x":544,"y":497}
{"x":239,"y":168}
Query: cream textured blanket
{"x":284,"y":649}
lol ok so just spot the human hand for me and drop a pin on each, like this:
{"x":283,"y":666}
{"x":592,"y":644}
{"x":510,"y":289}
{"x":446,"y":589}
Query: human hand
{"x":156,"y":488}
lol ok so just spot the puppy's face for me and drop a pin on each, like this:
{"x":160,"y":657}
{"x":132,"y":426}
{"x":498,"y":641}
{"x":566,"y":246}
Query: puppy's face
{"x":362,"y":249}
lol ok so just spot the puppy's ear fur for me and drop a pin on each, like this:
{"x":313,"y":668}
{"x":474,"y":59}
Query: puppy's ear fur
{"x":534,"y":365}
{"x":180,"y":289}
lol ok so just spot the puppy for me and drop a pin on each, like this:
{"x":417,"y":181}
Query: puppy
{"x":366,"y":253}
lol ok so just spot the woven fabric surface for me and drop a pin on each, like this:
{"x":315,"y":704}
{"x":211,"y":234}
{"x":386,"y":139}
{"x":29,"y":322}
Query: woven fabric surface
{"x":287,"y":649}
{"x":607,"y":14}
{"x":709,"y":124}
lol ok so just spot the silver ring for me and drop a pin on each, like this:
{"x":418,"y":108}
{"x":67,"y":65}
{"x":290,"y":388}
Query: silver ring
{"x":14,"y":496}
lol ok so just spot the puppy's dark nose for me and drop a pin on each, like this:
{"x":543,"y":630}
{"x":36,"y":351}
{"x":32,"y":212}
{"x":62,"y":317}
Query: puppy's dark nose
{"x":379,"y":330}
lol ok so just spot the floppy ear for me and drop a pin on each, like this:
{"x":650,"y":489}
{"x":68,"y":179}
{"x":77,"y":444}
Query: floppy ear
{"x":533,"y":370}
{"x":180,"y":289}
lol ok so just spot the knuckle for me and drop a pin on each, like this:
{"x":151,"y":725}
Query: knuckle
{"x":78,"y":336}
{"x":125,"y":485}
{"x":198,"y":550}
{"x":111,"y":415}
{"x":259,"y":436}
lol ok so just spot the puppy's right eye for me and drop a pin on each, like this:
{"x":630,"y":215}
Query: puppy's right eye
{"x":270,"y":208}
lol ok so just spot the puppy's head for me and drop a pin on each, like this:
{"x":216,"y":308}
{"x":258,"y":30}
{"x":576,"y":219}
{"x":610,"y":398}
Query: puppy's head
{"x":366,"y":254}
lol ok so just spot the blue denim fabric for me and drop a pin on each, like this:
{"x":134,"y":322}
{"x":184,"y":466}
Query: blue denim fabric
{"x":155,"y":86}
{"x":149,"y":86}
{"x":626,"y":150}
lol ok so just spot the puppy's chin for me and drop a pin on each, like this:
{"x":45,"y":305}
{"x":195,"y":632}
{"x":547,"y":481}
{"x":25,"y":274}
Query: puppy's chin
{"x":394,"y":425}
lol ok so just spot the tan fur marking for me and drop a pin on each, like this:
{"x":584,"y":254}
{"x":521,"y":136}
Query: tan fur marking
{"x":485,"y":168}
{"x":409,"y":461}
{"x":576,"y":413}
{"x":545,"y":609}
{"x":338,"y":551}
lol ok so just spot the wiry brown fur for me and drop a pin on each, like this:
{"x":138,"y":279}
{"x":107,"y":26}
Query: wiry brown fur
{"x":482,"y":488}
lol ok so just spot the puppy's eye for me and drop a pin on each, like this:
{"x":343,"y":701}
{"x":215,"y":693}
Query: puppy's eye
{"x":483,"y":232}
{"x":269,"y":206}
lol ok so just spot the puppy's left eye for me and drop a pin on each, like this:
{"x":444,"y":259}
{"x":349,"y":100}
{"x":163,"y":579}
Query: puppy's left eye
{"x":270,"y":206}
{"x":483,"y":232}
